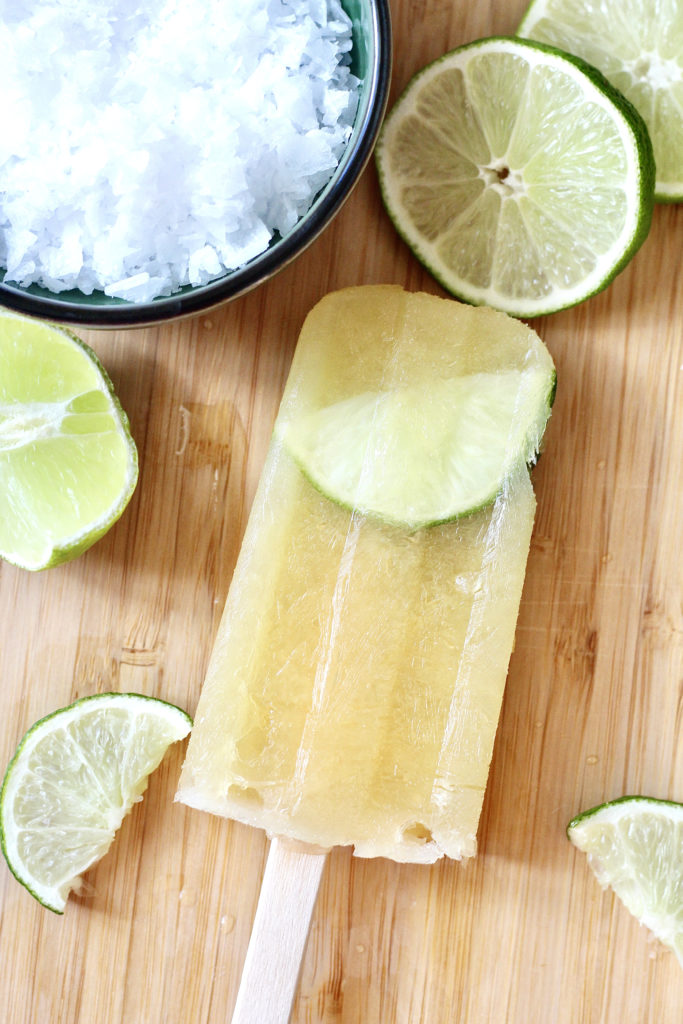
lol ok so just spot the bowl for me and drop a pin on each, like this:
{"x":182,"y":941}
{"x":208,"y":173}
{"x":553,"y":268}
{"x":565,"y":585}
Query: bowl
{"x":371,"y":63}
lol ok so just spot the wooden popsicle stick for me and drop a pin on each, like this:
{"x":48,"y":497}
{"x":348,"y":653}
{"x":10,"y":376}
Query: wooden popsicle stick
{"x":278,"y":938}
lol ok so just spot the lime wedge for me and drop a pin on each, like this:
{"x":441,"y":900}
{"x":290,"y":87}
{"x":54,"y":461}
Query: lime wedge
{"x":74,"y":777}
{"x":518,"y":175}
{"x":417,"y":458}
{"x":68,"y":463}
{"x":635,"y":846}
{"x":639,"y":48}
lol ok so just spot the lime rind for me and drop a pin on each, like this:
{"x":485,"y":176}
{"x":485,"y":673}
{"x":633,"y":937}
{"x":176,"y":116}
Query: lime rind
{"x":634,"y":846}
{"x":416,"y":460}
{"x":86,"y":824}
{"x":465,"y":229}
{"x":36,"y":539}
{"x":614,"y":809}
{"x":636,"y":51}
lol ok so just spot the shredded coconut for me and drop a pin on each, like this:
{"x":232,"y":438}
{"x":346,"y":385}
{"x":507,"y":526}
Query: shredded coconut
{"x":150,"y":144}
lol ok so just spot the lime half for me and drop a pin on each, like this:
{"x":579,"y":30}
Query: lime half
{"x":414,"y":457}
{"x":635,"y":846}
{"x":68,"y":463}
{"x":518,"y":175}
{"x":74,"y":777}
{"x":639,"y":47}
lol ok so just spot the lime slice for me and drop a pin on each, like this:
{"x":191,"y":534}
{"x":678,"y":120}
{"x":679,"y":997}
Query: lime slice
{"x":417,"y":458}
{"x":68,"y":463}
{"x":74,"y":777}
{"x":518,"y":175}
{"x":635,"y":846}
{"x":639,"y":47}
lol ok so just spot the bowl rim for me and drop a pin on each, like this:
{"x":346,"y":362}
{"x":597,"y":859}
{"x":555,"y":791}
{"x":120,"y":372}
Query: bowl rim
{"x":268,"y":263}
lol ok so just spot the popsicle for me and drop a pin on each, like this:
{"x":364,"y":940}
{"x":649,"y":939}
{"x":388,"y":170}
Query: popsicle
{"x":354,"y":689}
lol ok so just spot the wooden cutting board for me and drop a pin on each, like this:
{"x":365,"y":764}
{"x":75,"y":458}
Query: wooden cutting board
{"x":523,"y":934}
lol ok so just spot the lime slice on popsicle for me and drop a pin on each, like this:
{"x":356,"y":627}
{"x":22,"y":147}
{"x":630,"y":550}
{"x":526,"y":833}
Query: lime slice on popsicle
{"x":418,"y":459}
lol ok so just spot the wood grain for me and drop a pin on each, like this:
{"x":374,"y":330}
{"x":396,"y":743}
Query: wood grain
{"x":592,"y":709}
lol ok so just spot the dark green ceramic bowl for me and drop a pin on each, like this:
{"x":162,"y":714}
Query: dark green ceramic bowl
{"x":371,"y":62}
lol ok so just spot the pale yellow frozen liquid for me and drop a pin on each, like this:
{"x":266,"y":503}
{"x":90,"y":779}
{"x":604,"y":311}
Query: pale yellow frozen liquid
{"x":355,"y":686}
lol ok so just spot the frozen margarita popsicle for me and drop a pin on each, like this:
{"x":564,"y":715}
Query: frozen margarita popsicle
{"x":355,"y":686}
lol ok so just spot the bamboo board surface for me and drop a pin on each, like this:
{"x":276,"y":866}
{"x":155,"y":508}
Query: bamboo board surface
{"x":593,"y":704}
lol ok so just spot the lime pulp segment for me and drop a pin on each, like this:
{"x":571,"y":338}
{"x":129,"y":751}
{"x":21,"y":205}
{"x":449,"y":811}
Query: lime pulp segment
{"x":68,"y":463}
{"x":639,"y":48}
{"x":72,"y":780}
{"x":518,"y":175}
{"x":635,"y":846}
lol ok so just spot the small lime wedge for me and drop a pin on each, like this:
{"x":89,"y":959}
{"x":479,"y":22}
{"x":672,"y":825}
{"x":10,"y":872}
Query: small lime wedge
{"x":639,"y":47}
{"x":518,"y":175}
{"x":416,"y":459}
{"x":68,"y":463}
{"x":74,"y":777}
{"x":635,"y":846}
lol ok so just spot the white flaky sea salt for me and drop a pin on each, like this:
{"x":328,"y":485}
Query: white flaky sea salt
{"x":150,"y":144}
